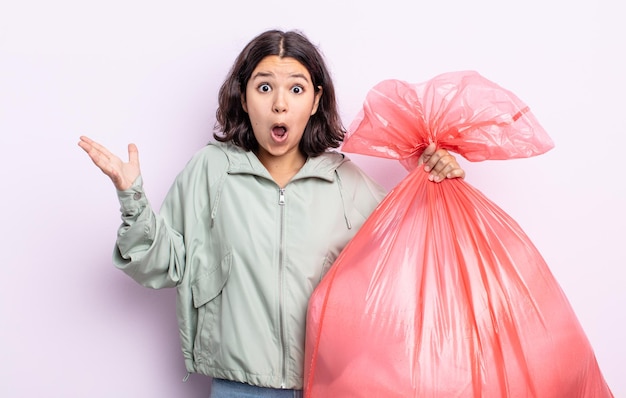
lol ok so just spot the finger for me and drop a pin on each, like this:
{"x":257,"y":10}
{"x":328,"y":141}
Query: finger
{"x":444,"y":163}
{"x":443,"y":173}
{"x":93,"y":149}
{"x":426,"y":155}
{"x":97,"y":157}
{"x":437,"y":176}
{"x":100,"y":148}
{"x":450,"y":170}
{"x":85,"y":143}
{"x":100,"y":156}
{"x":437,"y":161}
{"x":133,"y":154}
{"x":84,"y":138}
{"x":456,"y":173}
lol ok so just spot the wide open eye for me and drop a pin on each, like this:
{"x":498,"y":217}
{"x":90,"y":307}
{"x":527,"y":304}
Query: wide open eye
{"x":264,"y":88}
{"x":297,"y":89}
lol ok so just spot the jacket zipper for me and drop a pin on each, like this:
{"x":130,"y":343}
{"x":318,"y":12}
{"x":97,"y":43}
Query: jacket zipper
{"x":281,"y":298}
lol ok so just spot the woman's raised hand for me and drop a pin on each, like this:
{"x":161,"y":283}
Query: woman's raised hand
{"x":440,"y":164}
{"x":122,"y":174}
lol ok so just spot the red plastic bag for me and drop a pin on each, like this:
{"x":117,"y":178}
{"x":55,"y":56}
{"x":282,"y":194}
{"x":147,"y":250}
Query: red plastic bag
{"x":441,"y":294}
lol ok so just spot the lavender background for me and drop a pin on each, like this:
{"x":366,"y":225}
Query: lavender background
{"x":148,"y":72}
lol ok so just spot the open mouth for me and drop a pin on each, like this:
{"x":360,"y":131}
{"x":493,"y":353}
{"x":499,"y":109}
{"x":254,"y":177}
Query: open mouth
{"x":279,"y":131}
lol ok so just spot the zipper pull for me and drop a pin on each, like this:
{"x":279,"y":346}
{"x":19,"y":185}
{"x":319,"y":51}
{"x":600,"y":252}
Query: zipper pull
{"x":186,"y":377}
{"x":281,"y":196}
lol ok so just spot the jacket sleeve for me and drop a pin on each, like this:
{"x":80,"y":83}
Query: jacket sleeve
{"x":149,"y":248}
{"x":366,"y":193}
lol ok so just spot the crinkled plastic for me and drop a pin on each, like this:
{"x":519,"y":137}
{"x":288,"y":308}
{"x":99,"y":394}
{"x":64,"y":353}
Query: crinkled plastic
{"x":441,"y":293}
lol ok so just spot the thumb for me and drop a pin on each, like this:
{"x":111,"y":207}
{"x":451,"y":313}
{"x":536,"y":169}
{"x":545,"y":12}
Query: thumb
{"x":133,"y":154}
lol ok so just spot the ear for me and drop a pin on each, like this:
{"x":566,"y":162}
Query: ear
{"x":316,"y":102}
{"x":243,"y":102}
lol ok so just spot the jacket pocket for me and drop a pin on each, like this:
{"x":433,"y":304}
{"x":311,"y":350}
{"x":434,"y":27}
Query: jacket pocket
{"x":207,"y":297}
{"x":209,"y":285}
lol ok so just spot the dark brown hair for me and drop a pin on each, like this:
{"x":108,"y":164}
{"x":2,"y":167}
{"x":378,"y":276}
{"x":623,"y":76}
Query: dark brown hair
{"x":324,"y":129}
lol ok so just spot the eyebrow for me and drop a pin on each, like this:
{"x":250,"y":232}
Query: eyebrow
{"x":270,"y":74}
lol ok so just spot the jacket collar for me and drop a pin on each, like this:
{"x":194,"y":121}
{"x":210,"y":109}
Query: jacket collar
{"x":246,"y":162}
{"x":323,"y":167}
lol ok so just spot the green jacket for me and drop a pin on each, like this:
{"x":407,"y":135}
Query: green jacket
{"x":244,"y":255}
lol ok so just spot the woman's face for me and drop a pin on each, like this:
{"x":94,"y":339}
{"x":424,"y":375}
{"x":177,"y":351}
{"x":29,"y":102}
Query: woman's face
{"x":280,"y":98}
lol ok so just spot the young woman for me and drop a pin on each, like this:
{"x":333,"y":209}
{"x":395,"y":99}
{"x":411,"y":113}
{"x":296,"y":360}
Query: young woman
{"x":254,"y":220}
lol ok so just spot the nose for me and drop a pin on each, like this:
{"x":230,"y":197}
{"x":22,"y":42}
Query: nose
{"x":280,"y":104}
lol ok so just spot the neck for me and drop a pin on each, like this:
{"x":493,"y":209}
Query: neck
{"x":282,"y":168}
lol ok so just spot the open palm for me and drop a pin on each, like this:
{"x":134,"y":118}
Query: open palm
{"x":123,"y":174}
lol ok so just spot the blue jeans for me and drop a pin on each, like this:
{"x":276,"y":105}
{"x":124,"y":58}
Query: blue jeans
{"x":230,"y":389}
